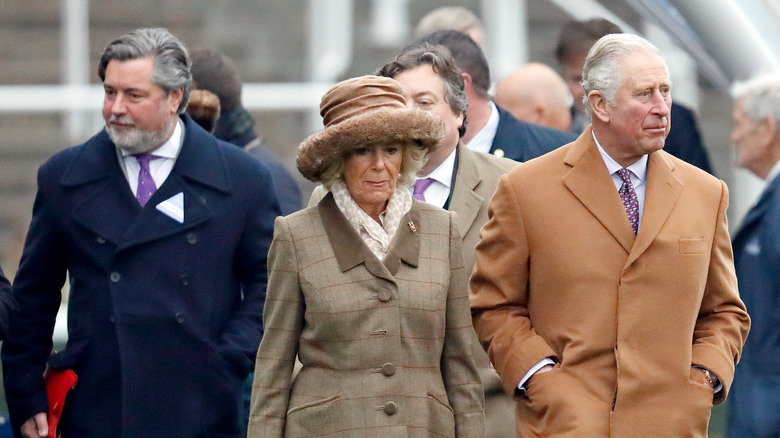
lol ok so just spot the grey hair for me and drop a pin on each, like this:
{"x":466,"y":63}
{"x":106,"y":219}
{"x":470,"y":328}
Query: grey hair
{"x":760,"y":97}
{"x":171,"y":61}
{"x":603,"y":69}
{"x":414,"y":158}
{"x":442,"y":62}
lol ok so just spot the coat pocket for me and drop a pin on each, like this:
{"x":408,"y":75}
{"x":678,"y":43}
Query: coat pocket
{"x":694,"y":246}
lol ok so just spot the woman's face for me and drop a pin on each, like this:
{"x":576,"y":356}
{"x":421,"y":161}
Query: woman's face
{"x":370,"y":173}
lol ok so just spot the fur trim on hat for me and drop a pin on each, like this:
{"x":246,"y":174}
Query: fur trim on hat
{"x":321,"y":149}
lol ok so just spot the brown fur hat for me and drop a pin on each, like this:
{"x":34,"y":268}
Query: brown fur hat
{"x":362,"y":111}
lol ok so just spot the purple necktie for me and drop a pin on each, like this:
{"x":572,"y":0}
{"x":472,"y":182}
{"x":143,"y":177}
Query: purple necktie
{"x":628,"y":195}
{"x":420,"y":186}
{"x":146,"y":187}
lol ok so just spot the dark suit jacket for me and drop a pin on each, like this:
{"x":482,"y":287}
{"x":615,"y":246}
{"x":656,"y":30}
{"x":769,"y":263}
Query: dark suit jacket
{"x":6,"y":304}
{"x":520,"y":140}
{"x":757,"y":259}
{"x":164,"y":317}
{"x":684,"y":139}
{"x":287,"y":190}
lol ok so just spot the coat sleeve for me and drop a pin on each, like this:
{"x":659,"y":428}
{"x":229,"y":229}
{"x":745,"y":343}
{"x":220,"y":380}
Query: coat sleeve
{"x":37,"y":290}
{"x":499,"y":291}
{"x":723,"y":323}
{"x":7,"y":305}
{"x":459,"y":371}
{"x":283,"y":316}
{"x":241,"y":336}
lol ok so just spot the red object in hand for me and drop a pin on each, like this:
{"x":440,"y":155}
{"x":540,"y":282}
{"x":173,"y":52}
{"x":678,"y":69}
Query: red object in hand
{"x":59,"y":381}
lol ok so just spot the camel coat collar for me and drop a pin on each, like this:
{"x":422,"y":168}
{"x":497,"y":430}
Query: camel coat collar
{"x":597,"y":193}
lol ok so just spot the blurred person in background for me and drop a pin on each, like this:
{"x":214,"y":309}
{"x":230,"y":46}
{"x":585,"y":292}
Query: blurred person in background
{"x":367,"y":287}
{"x":604,"y":287}
{"x":753,"y":407}
{"x":491,"y":129}
{"x":451,"y":17}
{"x":162,"y":231}
{"x":7,"y":305}
{"x":537,"y":94}
{"x":218,"y":73}
{"x":576,"y":37}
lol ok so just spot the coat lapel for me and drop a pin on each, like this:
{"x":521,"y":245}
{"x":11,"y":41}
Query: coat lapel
{"x":663,"y":190}
{"x":348,"y":247}
{"x":406,"y":243}
{"x":199,"y":167}
{"x":102,"y":186}
{"x":465,"y":200}
{"x":105,"y":189}
{"x":591,"y":183}
{"x":758,"y":210}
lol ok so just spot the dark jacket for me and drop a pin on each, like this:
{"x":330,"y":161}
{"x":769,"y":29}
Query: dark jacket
{"x":757,"y":260}
{"x":684,"y":139}
{"x":164,"y":317}
{"x":6,"y":305}
{"x":520,"y":140}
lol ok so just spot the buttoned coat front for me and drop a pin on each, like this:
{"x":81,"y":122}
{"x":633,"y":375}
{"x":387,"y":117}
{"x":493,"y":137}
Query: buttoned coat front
{"x":385,"y":347}
{"x":560,"y":274}
{"x":164,"y":315}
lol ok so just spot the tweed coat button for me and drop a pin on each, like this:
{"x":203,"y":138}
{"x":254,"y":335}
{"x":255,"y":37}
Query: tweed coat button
{"x":179,"y":317}
{"x":385,"y":295}
{"x":185,"y":280}
{"x":388,"y":369}
{"x":192,"y":238}
{"x":115,"y":277}
{"x":390,"y":408}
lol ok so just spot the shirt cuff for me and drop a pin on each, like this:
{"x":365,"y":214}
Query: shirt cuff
{"x":532,"y":371}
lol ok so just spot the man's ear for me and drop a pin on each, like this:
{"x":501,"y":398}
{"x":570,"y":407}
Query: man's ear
{"x":466,"y":79}
{"x":598,"y":103}
{"x":174,"y":99}
{"x":769,"y":129}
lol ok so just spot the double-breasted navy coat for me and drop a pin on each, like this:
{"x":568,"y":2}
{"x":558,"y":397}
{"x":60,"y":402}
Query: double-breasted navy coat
{"x":164,"y":317}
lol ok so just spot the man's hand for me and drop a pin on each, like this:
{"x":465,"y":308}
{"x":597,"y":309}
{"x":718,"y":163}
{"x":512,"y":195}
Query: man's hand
{"x":37,"y":426}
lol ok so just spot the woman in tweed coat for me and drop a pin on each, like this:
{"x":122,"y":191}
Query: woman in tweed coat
{"x":367,"y":288}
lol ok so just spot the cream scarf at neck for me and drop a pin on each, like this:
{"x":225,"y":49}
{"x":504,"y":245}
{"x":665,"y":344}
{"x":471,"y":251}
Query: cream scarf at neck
{"x":377,"y":237}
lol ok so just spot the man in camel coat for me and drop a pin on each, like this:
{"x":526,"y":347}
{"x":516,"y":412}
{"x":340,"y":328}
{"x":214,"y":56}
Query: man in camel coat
{"x":604,"y":287}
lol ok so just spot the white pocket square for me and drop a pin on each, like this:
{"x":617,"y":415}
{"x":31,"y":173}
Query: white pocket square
{"x":173,"y":207}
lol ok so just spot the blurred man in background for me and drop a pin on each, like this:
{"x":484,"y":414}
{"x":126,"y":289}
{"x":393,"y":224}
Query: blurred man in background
{"x":490,"y":128}
{"x":756,"y":395}
{"x":537,"y":94}
{"x":218,"y":73}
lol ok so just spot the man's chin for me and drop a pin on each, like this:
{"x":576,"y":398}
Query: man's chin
{"x":131,"y":142}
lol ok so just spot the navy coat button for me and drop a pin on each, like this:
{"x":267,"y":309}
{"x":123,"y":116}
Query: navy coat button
{"x":111,"y":318}
{"x":185,"y":280}
{"x":192,"y":238}
{"x":100,"y":240}
{"x":391,"y":408}
{"x":179,"y":317}
{"x":115,"y":277}
{"x":385,"y":295}
{"x":388,"y":369}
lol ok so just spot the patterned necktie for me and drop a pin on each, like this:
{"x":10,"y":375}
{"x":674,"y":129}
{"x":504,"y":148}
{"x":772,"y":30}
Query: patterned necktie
{"x":628,"y":195}
{"x":420,"y":186}
{"x":146,"y":187}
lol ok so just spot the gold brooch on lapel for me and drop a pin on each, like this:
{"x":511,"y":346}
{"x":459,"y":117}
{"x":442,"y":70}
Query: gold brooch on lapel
{"x":411,"y":226}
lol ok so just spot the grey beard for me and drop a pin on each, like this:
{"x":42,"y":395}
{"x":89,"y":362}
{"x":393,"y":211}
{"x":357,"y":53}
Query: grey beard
{"x":136,"y":141}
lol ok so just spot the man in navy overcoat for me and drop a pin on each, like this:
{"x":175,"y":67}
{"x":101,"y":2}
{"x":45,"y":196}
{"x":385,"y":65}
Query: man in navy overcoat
{"x":166,"y":293}
{"x":756,"y":396}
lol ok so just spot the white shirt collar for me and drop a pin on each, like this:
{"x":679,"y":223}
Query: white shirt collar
{"x":483,"y":140}
{"x":443,"y":173}
{"x":638,"y":168}
{"x":774,"y":172}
